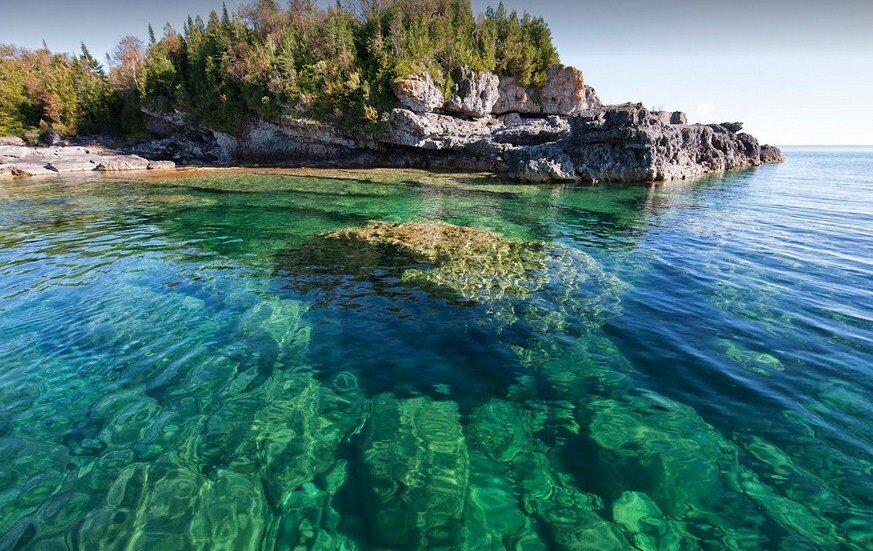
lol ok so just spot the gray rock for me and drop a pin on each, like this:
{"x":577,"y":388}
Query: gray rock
{"x":533,"y":131}
{"x":540,"y":164}
{"x":563,"y":93}
{"x":50,"y":137}
{"x":72,"y":165}
{"x":432,"y":130}
{"x":591,"y":98}
{"x":629,"y":143}
{"x":30,"y":169}
{"x":475,"y":95}
{"x":510,"y":119}
{"x":120,"y":163}
{"x":771,"y":154}
{"x":11,"y":140}
{"x":419,"y":93}
{"x":161,"y":165}
{"x":732,"y":126}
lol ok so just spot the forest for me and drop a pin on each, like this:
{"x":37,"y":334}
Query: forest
{"x":267,"y":60}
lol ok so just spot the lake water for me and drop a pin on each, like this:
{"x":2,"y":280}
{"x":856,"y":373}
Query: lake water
{"x":181,"y":367}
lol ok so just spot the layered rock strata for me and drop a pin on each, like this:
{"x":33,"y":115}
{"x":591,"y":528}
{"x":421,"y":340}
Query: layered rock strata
{"x":18,"y":159}
{"x":558,"y":132}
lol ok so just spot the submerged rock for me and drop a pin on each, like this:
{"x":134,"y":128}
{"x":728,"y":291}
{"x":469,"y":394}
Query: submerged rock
{"x":544,"y":287}
{"x":415,"y":470}
{"x":477,"y":265}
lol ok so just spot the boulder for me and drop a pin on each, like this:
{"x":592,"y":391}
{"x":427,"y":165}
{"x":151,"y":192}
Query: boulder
{"x":732,"y":126}
{"x":119,"y":163}
{"x":771,"y":154}
{"x":591,"y":98}
{"x":72,"y":165}
{"x":510,"y":119}
{"x":475,"y":94}
{"x":432,"y":130}
{"x":419,"y":93}
{"x":11,"y":140}
{"x":540,"y":164}
{"x":514,"y":98}
{"x":674,"y":117}
{"x":563,"y":93}
{"x":533,"y":131}
{"x":161,"y":165}
{"x":51,"y":138}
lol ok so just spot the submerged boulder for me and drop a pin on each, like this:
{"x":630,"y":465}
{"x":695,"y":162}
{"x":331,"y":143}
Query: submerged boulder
{"x":415,"y":468}
{"x":546,"y":286}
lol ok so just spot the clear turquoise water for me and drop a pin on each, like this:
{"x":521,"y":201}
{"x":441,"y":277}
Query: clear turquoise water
{"x":179,"y":370}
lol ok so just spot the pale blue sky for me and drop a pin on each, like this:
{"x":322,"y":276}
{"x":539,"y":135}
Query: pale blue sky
{"x":795,"y":72}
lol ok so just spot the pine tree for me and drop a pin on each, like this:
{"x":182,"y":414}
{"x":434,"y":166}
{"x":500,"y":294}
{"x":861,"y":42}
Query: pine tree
{"x":152,"y":39}
{"x":93,"y":65}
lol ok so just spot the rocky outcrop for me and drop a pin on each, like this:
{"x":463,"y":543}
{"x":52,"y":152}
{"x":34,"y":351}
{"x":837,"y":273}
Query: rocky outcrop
{"x":563,"y":93}
{"x":419,"y":93}
{"x":475,"y":95}
{"x":630,"y":143}
{"x":626,"y":143}
{"x":771,"y":154}
{"x":161,"y":165}
{"x":433,"y":130}
{"x":540,"y":164}
{"x":21,"y":160}
{"x":532,"y":131}
{"x":11,"y":140}
{"x":121,"y":163}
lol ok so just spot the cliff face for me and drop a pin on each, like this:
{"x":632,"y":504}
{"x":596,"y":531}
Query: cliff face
{"x":559,"y":132}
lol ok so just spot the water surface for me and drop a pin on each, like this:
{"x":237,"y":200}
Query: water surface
{"x":179,"y":368}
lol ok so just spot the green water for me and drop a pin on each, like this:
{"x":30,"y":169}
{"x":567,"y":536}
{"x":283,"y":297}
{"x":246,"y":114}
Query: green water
{"x":182,"y":367}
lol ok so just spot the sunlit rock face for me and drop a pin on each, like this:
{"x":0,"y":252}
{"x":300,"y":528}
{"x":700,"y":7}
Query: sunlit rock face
{"x":563,"y":93}
{"x":419,"y":93}
{"x":475,"y":95}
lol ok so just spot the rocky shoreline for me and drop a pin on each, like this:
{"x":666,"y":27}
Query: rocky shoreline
{"x":17,"y":159}
{"x":560,"y":132}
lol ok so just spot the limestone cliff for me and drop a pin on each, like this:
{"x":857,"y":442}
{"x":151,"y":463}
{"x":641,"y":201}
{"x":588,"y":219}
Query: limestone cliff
{"x":558,"y":132}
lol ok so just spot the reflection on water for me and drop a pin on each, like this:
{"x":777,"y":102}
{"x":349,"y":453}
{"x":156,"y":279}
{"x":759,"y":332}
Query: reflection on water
{"x":189,"y":363}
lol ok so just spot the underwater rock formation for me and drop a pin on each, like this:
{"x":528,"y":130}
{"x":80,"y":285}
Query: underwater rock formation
{"x":415,"y":464}
{"x":532,"y":286}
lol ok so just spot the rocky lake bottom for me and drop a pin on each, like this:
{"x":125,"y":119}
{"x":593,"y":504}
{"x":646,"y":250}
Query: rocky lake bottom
{"x":262,"y":359}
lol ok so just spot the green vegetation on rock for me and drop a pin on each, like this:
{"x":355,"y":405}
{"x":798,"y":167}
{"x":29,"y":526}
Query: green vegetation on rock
{"x":264,"y":61}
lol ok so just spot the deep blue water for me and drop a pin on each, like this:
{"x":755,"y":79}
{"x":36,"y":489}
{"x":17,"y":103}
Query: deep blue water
{"x":188,"y":363}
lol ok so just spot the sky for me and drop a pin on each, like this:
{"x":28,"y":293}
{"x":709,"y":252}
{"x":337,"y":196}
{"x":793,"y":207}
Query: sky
{"x":795,"y":72}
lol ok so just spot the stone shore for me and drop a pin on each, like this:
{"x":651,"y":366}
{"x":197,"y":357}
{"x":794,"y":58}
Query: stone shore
{"x":561,"y":132}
